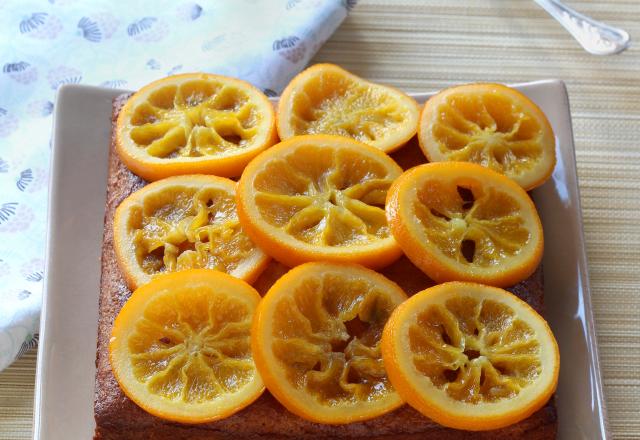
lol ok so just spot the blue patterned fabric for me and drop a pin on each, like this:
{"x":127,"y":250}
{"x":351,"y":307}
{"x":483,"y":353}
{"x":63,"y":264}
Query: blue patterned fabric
{"x":44,"y":44}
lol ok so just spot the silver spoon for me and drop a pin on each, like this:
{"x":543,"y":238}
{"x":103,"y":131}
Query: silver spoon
{"x":595,"y":37}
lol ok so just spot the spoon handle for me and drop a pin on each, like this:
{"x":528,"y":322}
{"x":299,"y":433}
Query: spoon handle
{"x":595,"y":37}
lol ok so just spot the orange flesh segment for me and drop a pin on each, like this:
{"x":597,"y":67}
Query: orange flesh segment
{"x":470,"y":356}
{"x":180,"y":346}
{"x":316,"y":340}
{"x":194,"y":123}
{"x":491,"y":125}
{"x":326,"y":99}
{"x":319,"y":198}
{"x":180,"y":223}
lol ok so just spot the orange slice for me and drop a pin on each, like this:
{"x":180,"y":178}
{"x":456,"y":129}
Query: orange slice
{"x":325,"y":99}
{"x":319,"y":197}
{"x":470,"y":356}
{"x":183,"y":222}
{"x":194,"y":123}
{"x":316,"y":342}
{"x":180,"y":346}
{"x":461,"y":221}
{"x":492,"y":125}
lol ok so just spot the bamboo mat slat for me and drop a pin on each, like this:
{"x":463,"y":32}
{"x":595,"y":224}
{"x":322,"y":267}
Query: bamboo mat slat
{"x":16,"y":398}
{"x":425,"y":45}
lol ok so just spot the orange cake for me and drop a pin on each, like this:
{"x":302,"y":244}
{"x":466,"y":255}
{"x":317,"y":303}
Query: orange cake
{"x":118,"y":417}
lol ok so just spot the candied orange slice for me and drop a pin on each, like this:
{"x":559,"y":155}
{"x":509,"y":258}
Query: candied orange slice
{"x":183,"y":222}
{"x":194,"y":123}
{"x":316,"y":342}
{"x":319,"y":197}
{"x":470,"y":356}
{"x":326,"y":99}
{"x":180,"y":347}
{"x":461,"y":221}
{"x":492,"y":125}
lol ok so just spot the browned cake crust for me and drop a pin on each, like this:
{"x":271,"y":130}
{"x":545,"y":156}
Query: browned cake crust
{"x":117,"y":417}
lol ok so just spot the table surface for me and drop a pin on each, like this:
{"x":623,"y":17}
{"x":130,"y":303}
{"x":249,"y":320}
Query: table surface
{"x":426,"y":45}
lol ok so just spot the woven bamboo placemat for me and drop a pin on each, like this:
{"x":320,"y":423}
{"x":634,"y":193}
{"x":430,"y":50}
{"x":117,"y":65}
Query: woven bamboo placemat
{"x":426,"y":45}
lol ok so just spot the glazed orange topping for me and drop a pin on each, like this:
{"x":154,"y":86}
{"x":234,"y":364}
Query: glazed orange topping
{"x":470,"y":356}
{"x":326,"y":99}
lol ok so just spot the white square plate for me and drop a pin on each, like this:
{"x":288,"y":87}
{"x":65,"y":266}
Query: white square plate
{"x":66,"y":357}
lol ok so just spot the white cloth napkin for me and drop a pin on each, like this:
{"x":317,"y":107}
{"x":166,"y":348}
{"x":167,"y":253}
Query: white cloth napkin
{"x":119,"y":45}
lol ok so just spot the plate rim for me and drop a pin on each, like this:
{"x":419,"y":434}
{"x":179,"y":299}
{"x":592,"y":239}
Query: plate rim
{"x":594,"y":349}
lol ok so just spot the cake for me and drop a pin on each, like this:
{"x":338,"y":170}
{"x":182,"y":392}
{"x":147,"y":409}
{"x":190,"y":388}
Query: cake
{"x":117,"y":417}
